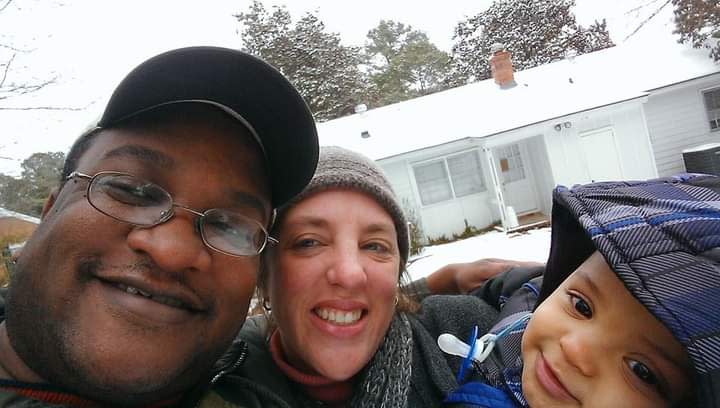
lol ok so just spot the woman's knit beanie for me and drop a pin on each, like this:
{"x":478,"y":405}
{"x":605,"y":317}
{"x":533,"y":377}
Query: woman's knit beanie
{"x":340,"y":168}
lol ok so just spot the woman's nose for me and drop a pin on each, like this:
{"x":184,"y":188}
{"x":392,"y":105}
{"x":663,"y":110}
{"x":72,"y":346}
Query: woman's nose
{"x":347,"y":270}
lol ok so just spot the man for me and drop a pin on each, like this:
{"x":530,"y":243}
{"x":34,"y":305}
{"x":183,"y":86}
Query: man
{"x":138,"y":278}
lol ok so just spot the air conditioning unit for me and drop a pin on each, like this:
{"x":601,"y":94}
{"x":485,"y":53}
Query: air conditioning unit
{"x":703,"y":159}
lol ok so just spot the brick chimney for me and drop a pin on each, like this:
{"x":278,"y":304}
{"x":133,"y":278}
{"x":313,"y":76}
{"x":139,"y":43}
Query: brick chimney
{"x":501,"y":66}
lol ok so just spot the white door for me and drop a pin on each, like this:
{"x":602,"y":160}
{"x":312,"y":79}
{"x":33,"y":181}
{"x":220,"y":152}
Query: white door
{"x":515,"y":178}
{"x":601,"y":155}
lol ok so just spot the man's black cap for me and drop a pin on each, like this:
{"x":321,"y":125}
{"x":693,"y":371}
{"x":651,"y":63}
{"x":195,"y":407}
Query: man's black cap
{"x":245,"y":87}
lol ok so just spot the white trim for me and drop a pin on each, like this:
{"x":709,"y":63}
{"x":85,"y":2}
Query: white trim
{"x":648,"y":141}
{"x":702,"y":92}
{"x":498,"y":190}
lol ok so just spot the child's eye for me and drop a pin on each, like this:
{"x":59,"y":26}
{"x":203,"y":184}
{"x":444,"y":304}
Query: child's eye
{"x":643,"y":372}
{"x":581,"y":306}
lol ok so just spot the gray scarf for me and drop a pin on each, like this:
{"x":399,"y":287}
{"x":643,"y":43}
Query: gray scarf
{"x":386,"y":381}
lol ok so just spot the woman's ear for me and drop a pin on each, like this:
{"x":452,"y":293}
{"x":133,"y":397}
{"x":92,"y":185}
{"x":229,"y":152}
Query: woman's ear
{"x":49,"y":202}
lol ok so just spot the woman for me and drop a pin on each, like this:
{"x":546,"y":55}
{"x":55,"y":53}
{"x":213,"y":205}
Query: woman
{"x":339,"y":331}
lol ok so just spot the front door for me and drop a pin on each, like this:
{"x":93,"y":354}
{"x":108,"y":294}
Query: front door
{"x":515,"y":178}
{"x":601,"y":155}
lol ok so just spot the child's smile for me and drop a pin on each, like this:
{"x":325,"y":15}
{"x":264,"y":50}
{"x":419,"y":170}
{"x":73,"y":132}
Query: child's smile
{"x":591,"y":343}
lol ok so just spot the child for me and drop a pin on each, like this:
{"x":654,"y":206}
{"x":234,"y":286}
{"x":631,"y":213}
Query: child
{"x":628,"y":311}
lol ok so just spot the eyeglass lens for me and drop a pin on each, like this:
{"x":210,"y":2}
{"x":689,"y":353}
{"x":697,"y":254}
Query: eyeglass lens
{"x":130,"y":199}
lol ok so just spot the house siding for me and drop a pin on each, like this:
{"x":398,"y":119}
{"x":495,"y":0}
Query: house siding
{"x":677,"y":120}
{"x":542,"y":169}
{"x":566,"y":154}
{"x":446,"y":217}
{"x":397,"y":174}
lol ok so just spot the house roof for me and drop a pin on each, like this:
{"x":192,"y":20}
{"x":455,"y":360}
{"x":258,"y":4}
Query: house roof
{"x":554,"y":90}
{"x":12,"y":214}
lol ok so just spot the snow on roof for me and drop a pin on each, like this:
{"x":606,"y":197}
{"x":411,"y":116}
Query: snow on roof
{"x":542,"y":93}
{"x":12,"y":214}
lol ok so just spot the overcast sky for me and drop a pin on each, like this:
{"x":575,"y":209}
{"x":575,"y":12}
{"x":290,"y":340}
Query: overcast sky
{"x":89,"y":45}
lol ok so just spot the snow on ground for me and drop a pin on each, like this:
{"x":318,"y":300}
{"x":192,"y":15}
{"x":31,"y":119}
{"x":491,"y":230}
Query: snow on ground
{"x":533,"y":245}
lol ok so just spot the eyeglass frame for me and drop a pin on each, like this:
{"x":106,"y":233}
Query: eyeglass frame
{"x":168,"y":214}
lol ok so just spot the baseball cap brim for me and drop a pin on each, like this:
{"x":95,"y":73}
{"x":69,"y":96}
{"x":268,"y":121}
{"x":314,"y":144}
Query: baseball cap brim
{"x":242,"y":85}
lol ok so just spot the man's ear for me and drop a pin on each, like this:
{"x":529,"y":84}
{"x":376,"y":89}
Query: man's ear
{"x":49,"y":202}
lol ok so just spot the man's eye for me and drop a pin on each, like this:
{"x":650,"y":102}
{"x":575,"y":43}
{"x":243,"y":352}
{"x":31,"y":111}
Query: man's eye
{"x":581,"y":306}
{"x":144,"y":195}
{"x":222,"y":225}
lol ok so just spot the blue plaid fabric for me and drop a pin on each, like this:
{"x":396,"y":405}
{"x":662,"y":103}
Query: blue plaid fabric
{"x":662,"y":238}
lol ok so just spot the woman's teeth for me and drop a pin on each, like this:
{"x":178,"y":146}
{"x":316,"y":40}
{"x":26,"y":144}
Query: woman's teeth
{"x":339,"y":316}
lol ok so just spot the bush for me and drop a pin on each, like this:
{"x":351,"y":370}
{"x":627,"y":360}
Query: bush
{"x":415,"y":230}
{"x":442,"y":239}
{"x":6,"y":261}
{"x":469,"y":231}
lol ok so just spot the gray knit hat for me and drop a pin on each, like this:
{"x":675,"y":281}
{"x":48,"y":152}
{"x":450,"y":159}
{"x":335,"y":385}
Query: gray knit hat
{"x":345,"y":169}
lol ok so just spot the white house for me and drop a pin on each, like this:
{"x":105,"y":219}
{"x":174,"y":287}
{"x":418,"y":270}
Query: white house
{"x":483,"y":153}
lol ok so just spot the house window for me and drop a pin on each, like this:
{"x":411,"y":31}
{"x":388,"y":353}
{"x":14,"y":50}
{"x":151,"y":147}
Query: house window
{"x":432,"y":182}
{"x":511,"y":165}
{"x":712,"y":106}
{"x":449,"y":177}
{"x":466,"y":173}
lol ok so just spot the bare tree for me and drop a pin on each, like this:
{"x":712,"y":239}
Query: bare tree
{"x":10,"y":87}
{"x":655,"y":11}
{"x":696,"y":21}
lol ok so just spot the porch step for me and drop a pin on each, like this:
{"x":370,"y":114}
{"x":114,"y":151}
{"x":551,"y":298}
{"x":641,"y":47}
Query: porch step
{"x":527,"y":222}
{"x":532,"y":225}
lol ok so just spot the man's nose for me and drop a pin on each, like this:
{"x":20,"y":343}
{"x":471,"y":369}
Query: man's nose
{"x":346,"y":269}
{"x":174,"y":245}
{"x":581,"y":349}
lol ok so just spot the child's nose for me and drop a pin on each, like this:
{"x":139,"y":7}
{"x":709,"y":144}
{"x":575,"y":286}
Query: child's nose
{"x":581,"y":349}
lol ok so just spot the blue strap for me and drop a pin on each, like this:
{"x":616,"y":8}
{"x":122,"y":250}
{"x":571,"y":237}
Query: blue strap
{"x":481,"y":395}
{"x":468,"y":359}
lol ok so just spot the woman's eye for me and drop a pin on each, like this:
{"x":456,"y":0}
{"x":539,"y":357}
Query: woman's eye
{"x":377,"y":247}
{"x":306,"y":243}
{"x":581,"y":306}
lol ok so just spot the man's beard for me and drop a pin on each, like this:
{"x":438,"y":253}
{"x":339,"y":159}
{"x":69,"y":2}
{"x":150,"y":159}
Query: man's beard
{"x":51,"y":345}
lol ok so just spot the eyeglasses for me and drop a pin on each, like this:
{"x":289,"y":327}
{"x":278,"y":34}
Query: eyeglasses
{"x":130,"y":199}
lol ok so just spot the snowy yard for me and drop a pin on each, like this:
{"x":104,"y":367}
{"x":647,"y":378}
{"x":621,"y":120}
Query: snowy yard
{"x":533,"y":245}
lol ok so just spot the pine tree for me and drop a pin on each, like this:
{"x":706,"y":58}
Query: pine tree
{"x":27,"y":194}
{"x":698,"y":22}
{"x":324,"y":71}
{"x":536,"y":32}
{"x":404,"y":63}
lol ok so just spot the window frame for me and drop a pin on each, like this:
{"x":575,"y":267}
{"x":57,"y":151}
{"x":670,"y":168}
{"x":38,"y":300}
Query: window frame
{"x":449,"y":176}
{"x":716,"y":118}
